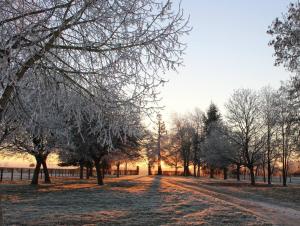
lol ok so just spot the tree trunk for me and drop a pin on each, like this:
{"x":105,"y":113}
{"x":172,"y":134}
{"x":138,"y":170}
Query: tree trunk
{"x":195,"y":174}
{"x":269,"y":156}
{"x":91,"y":171}
{"x":159,"y":170}
{"x":118,"y":169}
{"x":284,"y":176}
{"x":35,"y":177}
{"x":252,"y":175}
{"x":98,"y":172}
{"x":87,"y":173}
{"x":198,"y":170}
{"x":149,"y":169}
{"x":125,"y":168}
{"x":46,"y":172}
{"x":81,"y":171}
{"x":225,"y":171}
{"x":264,"y":173}
{"x":269,"y":171}
{"x":211,"y":172}
{"x":186,"y":169}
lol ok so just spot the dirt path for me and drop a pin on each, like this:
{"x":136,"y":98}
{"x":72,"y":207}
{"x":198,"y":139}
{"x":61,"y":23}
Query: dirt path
{"x":274,"y":214}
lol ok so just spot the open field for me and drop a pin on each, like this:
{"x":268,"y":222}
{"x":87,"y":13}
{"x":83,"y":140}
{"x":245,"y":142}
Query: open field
{"x":142,"y":200}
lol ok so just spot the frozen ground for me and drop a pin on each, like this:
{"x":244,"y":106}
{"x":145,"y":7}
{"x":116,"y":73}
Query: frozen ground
{"x":149,"y":201}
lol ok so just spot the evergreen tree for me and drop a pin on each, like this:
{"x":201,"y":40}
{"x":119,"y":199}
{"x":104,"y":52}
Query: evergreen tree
{"x":211,"y":118}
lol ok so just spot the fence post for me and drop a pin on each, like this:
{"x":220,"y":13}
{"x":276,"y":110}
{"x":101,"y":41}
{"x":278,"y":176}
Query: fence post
{"x":1,"y":176}
{"x":12,"y":174}
{"x":137,"y":170}
{"x":21,"y":173}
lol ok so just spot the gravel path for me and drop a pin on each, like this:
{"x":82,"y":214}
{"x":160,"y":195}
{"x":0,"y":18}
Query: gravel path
{"x":274,"y":214}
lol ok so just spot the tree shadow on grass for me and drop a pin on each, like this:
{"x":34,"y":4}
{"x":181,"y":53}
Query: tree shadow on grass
{"x":124,"y":202}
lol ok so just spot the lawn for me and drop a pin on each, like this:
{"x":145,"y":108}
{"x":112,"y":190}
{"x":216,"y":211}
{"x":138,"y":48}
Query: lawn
{"x":131,"y":200}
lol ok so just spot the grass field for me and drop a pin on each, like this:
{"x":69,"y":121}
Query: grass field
{"x":142,"y":200}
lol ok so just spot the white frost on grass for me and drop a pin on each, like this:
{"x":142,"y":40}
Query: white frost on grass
{"x":124,"y":201}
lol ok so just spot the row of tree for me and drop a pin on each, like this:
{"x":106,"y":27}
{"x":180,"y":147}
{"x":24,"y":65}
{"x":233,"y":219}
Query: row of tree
{"x":260,"y":128}
{"x":259,"y":131}
{"x":76,"y":77}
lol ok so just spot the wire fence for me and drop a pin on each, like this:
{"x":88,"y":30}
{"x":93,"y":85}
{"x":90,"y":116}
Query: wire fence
{"x":12,"y":174}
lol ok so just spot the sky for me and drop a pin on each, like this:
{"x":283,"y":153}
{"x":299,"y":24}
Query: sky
{"x":227,"y":49}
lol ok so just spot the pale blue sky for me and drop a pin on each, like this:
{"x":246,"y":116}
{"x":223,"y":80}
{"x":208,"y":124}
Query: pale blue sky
{"x":227,"y":49}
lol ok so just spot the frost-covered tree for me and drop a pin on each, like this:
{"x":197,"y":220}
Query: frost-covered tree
{"x":172,"y":155}
{"x":211,"y":118}
{"x":90,"y":45}
{"x":233,"y":154}
{"x":288,"y":132}
{"x":160,"y":135}
{"x":244,"y":119}
{"x":285,"y":32}
{"x":197,"y":119}
{"x":95,"y":144}
{"x":149,"y":146}
{"x":40,"y":124}
{"x":269,"y":115}
{"x":218,"y":149}
{"x":184,"y":132}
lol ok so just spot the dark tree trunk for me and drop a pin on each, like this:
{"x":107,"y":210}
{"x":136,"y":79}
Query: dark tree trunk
{"x":149,"y":169}
{"x":211,"y":172}
{"x":284,"y":176}
{"x":91,"y":171}
{"x":118,"y":169}
{"x":125,"y":168}
{"x":81,"y":171}
{"x":46,"y":172}
{"x":284,"y":179}
{"x":87,"y":173}
{"x":269,"y":157}
{"x":238,"y":172}
{"x":186,"y":169}
{"x":198,"y":170}
{"x":35,"y":177}
{"x":195,"y":173}
{"x":269,"y":171}
{"x":252,"y":175}
{"x":264,"y":173}
{"x":225,"y":171}
{"x":98,"y":172}
{"x":159,"y":170}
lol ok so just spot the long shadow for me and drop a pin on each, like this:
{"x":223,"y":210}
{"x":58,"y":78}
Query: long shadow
{"x":125,"y":202}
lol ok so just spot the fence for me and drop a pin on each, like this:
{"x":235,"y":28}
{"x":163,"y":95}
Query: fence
{"x":123,"y":172}
{"x":8,"y":173}
{"x":169,"y":173}
{"x":218,"y":174}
